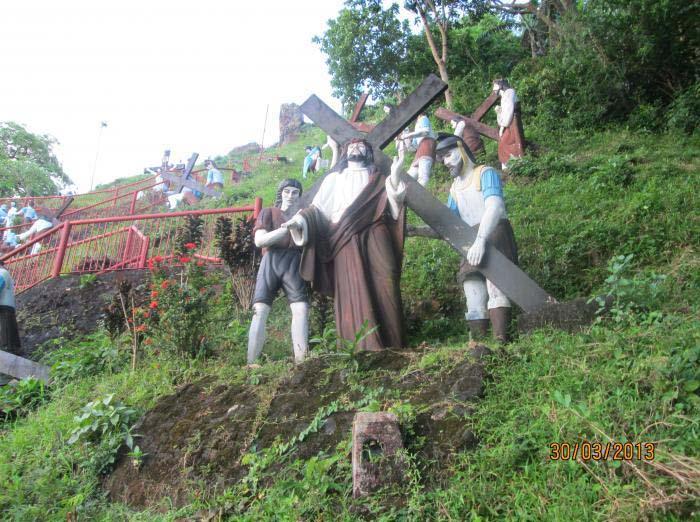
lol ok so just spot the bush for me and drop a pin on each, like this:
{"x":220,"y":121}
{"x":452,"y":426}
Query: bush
{"x":180,"y":308}
{"x":19,"y":399}
{"x":103,"y":427}
{"x":684,"y":112}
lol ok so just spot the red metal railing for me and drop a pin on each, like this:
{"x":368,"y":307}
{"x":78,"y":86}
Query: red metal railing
{"x":99,"y":245}
{"x":48,"y":203}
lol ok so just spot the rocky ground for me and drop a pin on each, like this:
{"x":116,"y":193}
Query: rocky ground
{"x":199,"y":434}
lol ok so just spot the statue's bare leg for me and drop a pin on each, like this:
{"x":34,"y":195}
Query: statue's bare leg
{"x":477,"y":314}
{"x":256,"y":335}
{"x":499,"y":311}
{"x":300,"y":330}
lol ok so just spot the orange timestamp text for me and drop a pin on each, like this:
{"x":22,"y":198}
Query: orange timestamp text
{"x":586,"y":450}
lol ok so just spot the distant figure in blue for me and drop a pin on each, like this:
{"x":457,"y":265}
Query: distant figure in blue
{"x":3,"y":214}
{"x":215,"y":179}
{"x":28,"y":212}
{"x":311,"y":163}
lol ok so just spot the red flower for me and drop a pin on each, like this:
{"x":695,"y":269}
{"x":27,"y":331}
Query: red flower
{"x":153,"y":305}
{"x":200,"y":263}
{"x":185,"y":259}
{"x":158,"y":259}
{"x":148,"y":341}
{"x":146,"y":315}
{"x":190,"y":246}
{"x":154,"y":294}
{"x":140,"y":328}
{"x":164,"y":284}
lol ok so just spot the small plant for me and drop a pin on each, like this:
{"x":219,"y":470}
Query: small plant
{"x":190,"y":234}
{"x":633,"y":297}
{"x":237,"y":249}
{"x":21,"y":398}
{"x":104,"y":425}
{"x":87,"y":280}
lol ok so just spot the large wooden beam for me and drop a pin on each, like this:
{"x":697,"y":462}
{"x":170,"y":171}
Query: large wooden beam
{"x":332,"y":123}
{"x":410,"y":108}
{"x":21,"y":368}
{"x":481,"y":128}
{"x":358,"y":107}
{"x":485,"y":106}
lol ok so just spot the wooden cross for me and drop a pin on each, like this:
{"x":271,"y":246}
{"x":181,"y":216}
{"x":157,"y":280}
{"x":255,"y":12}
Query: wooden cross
{"x":178,"y":182}
{"x":510,"y":279}
{"x":475,"y":119}
{"x":360,"y":125}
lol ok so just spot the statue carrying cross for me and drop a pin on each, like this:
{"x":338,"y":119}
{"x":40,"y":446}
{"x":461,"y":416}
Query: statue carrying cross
{"x":352,"y":232}
{"x":185,"y":180}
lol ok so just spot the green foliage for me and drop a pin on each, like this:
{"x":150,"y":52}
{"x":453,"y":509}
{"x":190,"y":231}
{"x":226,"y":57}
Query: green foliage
{"x":104,"y":426}
{"x":91,"y":355}
{"x":684,"y":111}
{"x":180,"y":309}
{"x":632,"y":298}
{"x":364,"y":46}
{"x":87,"y":280}
{"x":28,"y":166}
{"x":20,"y":398}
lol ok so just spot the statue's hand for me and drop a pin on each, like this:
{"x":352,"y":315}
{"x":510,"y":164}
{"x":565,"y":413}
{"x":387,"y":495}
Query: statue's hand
{"x":476,"y":252}
{"x":396,"y":169}
{"x":297,"y":222}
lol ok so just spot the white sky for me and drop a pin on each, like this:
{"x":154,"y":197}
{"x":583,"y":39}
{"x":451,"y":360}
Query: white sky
{"x":190,"y":76}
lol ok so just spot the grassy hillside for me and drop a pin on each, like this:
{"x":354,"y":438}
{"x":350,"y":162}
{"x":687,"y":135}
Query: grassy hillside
{"x":577,"y":205}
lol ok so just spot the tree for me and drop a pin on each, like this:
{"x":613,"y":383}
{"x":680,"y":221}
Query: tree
{"x":28,"y":166}
{"x":365,"y":46}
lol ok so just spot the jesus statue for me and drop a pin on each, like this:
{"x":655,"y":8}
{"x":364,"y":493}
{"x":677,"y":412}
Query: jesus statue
{"x":353,"y":234}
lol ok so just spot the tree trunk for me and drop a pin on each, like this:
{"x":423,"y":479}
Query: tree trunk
{"x":441,"y":61}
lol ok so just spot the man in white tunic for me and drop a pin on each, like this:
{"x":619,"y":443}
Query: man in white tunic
{"x":353,"y":245}
{"x":511,"y":140}
{"x":476,"y":196}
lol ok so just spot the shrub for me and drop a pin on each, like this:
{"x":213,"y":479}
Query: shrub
{"x":180,"y":308}
{"x":104,"y":426}
{"x":21,"y":398}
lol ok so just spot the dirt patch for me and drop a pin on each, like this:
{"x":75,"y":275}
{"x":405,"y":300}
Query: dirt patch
{"x":195,"y":438}
{"x":61,"y":308}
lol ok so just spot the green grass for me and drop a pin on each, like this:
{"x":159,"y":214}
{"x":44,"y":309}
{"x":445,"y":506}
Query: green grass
{"x":578,"y":202}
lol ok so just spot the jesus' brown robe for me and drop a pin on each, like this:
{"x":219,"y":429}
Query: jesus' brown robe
{"x":358,"y":261}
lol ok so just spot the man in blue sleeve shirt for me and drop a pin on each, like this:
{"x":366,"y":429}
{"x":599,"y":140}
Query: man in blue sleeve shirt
{"x":476,"y":196}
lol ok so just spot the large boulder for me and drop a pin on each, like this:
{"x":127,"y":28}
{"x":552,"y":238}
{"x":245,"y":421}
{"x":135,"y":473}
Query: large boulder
{"x":291,"y":120}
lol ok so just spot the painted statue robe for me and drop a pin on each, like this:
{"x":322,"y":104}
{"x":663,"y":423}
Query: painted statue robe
{"x":356,"y":258}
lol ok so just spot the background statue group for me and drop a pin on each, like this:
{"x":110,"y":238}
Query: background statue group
{"x":348,"y":243}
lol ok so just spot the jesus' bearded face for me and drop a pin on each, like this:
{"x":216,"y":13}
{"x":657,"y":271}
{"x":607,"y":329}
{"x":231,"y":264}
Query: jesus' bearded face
{"x":357,"y":153}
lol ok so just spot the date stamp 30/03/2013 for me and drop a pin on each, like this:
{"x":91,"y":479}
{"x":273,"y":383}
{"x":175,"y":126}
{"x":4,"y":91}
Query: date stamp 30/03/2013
{"x":586,"y":450}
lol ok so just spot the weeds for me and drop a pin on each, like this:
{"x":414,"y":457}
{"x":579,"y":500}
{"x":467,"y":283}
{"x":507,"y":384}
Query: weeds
{"x":104,"y":426}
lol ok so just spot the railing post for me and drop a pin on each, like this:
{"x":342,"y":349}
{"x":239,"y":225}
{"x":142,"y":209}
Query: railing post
{"x":132,"y":208}
{"x":144,"y":251}
{"x":62,"y":246}
{"x":257,"y":208}
{"x":127,"y":247}
{"x":116,"y":196}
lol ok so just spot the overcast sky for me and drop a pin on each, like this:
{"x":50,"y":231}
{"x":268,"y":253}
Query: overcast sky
{"x":184,"y":75}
